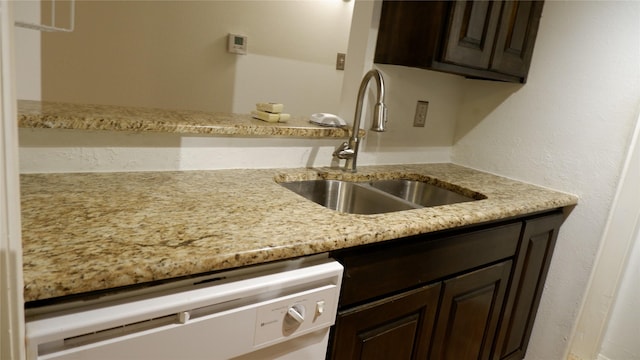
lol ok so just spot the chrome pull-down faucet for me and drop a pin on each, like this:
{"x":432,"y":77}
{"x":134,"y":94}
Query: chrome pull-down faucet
{"x":349,"y":149}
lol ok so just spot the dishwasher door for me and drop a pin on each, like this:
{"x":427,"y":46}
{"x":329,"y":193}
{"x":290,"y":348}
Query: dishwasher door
{"x":281,"y":312}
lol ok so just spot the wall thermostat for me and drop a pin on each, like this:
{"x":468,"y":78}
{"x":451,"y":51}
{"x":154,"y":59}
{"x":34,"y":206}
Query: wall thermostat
{"x":237,"y":44}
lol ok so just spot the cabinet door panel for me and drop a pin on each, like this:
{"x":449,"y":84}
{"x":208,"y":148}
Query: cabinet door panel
{"x":397,"y":327}
{"x":516,"y":37}
{"x":409,"y":32}
{"x":469,"y":312}
{"x":383,"y":342}
{"x":532,"y":264}
{"x":471,"y":33}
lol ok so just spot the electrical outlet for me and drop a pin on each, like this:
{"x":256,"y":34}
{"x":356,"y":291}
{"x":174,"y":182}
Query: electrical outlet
{"x":421,"y":113}
{"x":340,"y":60}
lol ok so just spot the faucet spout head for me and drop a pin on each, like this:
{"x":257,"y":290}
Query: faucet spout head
{"x":379,"y":117}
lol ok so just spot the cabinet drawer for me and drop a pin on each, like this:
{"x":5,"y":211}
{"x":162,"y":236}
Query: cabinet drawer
{"x":376,"y":271}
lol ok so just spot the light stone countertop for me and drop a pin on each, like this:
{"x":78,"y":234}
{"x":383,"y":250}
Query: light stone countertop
{"x":95,"y":231}
{"x":52,"y":115}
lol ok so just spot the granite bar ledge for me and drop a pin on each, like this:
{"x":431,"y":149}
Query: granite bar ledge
{"x":54,"y":115}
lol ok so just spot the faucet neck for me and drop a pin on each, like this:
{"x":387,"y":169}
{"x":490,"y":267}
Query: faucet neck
{"x":379,"y":110}
{"x":379,"y":115}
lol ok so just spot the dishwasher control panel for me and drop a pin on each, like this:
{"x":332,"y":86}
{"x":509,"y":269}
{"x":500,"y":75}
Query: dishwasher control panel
{"x":296,"y":314}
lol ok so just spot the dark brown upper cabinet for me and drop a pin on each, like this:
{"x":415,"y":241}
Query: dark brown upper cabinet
{"x":478,"y":39}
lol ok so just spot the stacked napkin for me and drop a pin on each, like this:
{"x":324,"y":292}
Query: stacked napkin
{"x":270,"y":112}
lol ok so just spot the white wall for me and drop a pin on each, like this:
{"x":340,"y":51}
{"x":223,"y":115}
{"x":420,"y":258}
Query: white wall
{"x":621,"y":338}
{"x":609,"y":270}
{"x":619,"y":263}
{"x":12,"y":327}
{"x":568,"y":128}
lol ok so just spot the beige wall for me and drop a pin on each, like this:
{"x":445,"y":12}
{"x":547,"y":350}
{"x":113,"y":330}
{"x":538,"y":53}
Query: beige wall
{"x":27,"y":51}
{"x":302,"y":92}
{"x":172,"y":54}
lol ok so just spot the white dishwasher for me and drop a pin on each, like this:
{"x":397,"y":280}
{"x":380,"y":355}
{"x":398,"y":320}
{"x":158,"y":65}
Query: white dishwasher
{"x":281,"y":310}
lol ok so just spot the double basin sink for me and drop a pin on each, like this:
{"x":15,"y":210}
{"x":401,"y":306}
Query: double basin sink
{"x":377,"y":196}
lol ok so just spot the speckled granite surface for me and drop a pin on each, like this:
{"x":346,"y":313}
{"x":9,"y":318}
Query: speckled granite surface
{"x":94,"y":231}
{"x":50,"y":115}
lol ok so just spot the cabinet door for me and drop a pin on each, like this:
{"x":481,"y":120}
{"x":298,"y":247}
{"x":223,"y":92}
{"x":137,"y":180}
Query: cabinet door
{"x":516,"y":36}
{"x":532,"y":263}
{"x":409,"y":32}
{"x":398,"y":327}
{"x":469,"y":312}
{"x":471,"y":35}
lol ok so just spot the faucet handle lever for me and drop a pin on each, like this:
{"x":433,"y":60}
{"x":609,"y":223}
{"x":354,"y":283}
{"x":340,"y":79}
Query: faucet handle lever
{"x":343,"y":151}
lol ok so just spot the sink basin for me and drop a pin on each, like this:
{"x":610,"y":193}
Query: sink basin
{"x":374,"y":197}
{"x":419,"y":192}
{"x":348,"y":197}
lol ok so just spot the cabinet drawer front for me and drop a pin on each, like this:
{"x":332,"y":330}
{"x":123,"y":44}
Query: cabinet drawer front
{"x":371,"y":273}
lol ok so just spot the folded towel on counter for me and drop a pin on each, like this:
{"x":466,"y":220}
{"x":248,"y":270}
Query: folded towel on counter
{"x":270,"y":112}
{"x":274,"y":108}
{"x":269,"y":117}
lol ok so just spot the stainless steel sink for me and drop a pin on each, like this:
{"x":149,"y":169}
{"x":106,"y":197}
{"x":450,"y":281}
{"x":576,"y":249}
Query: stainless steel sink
{"x":375,"y":197}
{"x":348,"y":197}
{"x":419,"y":192}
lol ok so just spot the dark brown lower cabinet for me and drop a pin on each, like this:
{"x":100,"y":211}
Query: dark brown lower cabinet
{"x":461,"y":294}
{"x":532,"y":264}
{"x":469,"y":313}
{"x":392,"y":328}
